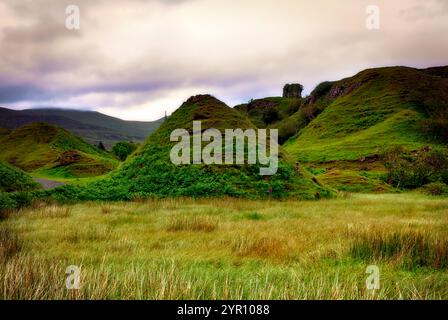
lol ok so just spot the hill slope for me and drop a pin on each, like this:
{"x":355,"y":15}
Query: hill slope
{"x":344,"y":126}
{"x":13,"y":179}
{"x":149,"y":172}
{"x":366,"y":113}
{"x":49,"y":150}
{"x":91,"y":126}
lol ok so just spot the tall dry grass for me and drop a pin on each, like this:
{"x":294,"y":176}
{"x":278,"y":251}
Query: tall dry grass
{"x":410,"y":248}
{"x":191,"y":223}
{"x":229,"y":249}
{"x":10,"y":245}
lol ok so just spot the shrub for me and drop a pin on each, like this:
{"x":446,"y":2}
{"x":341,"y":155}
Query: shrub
{"x":13,"y":179}
{"x":270,"y":115}
{"x":413,"y":170}
{"x":310,"y":111}
{"x":436,"y":189}
{"x":287,"y":129}
{"x":322,"y":89}
{"x":6,"y":203}
{"x":101,"y":146}
{"x":123,"y":149}
{"x":22,"y":199}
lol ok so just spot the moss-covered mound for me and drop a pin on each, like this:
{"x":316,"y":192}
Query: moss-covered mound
{"x":13,"y":179}
{"x":362,"y":115}
{"x":150,"y":172}
{"x":42,"y":148}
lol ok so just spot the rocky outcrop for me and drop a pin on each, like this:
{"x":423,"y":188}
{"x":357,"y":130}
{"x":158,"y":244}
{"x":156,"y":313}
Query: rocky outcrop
{"x":293,"y":90}
{"x":69,"y":157}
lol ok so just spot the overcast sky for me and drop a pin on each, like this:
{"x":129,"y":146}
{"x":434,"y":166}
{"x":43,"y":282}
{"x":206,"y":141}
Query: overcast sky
{"x":134,"y":59}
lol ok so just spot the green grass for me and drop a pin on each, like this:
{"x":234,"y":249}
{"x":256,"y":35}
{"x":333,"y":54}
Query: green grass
{"x":400,"y":129}
{"x":149,"y":171}
{"x":257,"y":110}
{"x":38,"y":148}
{"x":369,"y":176}
{"x":13,"y":179}
{"x":228,"y":249}
{"x":373,"y":110}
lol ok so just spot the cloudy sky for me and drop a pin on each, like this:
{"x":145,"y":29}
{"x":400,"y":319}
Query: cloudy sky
{"x":135,"y":59}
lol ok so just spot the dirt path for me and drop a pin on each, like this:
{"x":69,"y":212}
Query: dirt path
{"x":49,"y":184}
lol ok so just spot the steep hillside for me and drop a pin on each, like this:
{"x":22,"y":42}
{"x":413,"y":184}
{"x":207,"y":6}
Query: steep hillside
{"x":371,"y":111}
{"x":91,"y":126}
{"x":49,"y":150}
{"x":343,"y":126}
{"x":13,"y":179}
{"x":269,"y":111}
{"x":149,"y":172}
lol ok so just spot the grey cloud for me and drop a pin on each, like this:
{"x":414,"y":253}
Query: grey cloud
{"x":125,"y":58}
{"x":16,"y":93}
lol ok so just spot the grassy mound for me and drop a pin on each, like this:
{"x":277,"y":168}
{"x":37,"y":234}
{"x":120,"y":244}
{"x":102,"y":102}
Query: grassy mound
{"x":13,"y":179}
{"x":375,"y":109}
{"x":42,"y":148}
{"x":150,"y":172}
{"x":343,"y":127}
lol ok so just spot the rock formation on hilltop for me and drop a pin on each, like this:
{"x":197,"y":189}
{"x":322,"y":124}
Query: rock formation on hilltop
{"x":293,"y":90}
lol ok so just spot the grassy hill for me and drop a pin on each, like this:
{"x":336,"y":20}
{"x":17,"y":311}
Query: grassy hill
{"x":91,"y":126}
{"x":357,"y":118}
{"x":13,"y":179}
{"x":269,"y":111}
{"x":149,"y":172}
{"x":51,"y":151}
{"x":375,"y":109}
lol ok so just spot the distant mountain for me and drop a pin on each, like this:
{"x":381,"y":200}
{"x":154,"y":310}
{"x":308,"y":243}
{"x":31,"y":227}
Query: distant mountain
{"x":51,"y":151}
{"x":90,"y":125}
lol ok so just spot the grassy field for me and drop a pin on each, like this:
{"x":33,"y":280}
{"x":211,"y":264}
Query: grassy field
{"x":229,"y":249}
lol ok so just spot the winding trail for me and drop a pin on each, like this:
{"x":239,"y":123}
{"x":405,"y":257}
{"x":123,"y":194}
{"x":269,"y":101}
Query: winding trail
{"x":48,"y":184}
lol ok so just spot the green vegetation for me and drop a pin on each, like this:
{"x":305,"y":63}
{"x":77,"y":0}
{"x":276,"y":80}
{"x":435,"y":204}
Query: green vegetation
{"x":350,"y":177}
{"x":229,"y":249}
{"x":53,"y":152}
{"x":150,"y":172}
{"x":273,"y":112}
{"x":415,"y":169}
{"x":346,"y":121}
{"x":183,"y":232}
{"x":15,"y":188}
{"x":13,"y":179}
{"x":268,"y":111}
{"x":371,"y":111}
{"x":123,"y":149}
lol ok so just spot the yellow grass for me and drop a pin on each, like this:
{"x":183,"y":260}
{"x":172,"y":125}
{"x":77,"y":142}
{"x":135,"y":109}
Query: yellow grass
{"x":228,"y":249}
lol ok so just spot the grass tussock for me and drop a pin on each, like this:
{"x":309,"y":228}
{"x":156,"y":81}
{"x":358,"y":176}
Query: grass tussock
{"x":264,"y":247}
{"x":106,"y":209}
{"x":164,"y":249}
{"x":51,"y":211}
{"x":411,"y":249}
{"x":96,"y":234}
{"x":192,"y":223}
{"x":10,"y":245}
